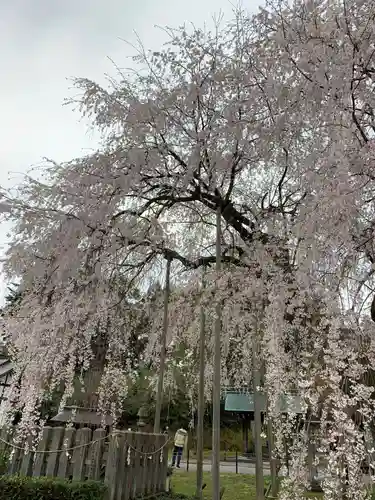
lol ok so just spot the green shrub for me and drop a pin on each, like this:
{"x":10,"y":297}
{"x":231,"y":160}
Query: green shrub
{"x":232,"y":440}
{"x":4,"y":457}
{"x":43,"y":488}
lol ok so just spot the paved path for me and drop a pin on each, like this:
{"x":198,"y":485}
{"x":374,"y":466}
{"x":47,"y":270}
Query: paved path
{"x":226,"y":467}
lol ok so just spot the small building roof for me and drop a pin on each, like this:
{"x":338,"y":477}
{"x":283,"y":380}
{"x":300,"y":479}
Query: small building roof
{"x":82,"y":416}
{"x":6,"y":366}
{"x":243,"y":402}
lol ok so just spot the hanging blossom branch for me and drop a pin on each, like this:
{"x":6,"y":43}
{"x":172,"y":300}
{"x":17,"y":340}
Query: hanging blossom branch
{"x":269,"y":119}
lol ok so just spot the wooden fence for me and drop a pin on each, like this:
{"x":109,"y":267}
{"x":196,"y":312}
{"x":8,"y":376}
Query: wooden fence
{"x":132,"y":464}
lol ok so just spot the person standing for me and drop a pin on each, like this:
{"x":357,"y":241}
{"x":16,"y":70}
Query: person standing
{"x":180,"y":441}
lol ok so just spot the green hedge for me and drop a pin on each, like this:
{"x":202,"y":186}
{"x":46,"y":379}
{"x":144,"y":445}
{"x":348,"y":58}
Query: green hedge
{"x":43,"y":488}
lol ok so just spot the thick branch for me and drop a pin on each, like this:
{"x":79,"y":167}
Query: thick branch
{"x":170,"y":254}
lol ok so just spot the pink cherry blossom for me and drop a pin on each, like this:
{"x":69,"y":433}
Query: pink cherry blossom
{"x":270,"y":118}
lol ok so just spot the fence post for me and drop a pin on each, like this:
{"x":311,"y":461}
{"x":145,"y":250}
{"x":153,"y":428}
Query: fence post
{"x":130,"y":466}
{"x":96,"y":454}
{"x":57,"y":435}
{"x":236,"y":461}
{"x":65,"y":458}
{"x":39,"y":462}
{"x":187,"y":460}
{"x":164,"y":466}
{"x":83,"y":438}
{"x":121,"y":470}
{"x":112,"y":466}
{"x":26,"y":459}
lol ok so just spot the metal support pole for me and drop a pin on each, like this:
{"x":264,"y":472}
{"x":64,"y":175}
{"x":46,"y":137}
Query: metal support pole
{"x":271,"y":450}
{"x":216,"y":390}
{"x":163,"y":343}
{"x":200,"y":424}
{"x":274,"y":486}
{"x":259,"y":479}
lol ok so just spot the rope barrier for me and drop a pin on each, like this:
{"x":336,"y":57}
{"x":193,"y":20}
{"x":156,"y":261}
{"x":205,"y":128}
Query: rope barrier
{"x":65,"y":450}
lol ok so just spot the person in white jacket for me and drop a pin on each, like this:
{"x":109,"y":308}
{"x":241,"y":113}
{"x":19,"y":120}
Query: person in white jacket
{"x":180,"y":440}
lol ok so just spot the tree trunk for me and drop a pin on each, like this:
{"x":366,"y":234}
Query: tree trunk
{"x":273,"y":464}
{"x":259,"y":479}
{"x":163,"y":342}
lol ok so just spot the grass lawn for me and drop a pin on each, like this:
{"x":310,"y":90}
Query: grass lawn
{"x":237,"y":486}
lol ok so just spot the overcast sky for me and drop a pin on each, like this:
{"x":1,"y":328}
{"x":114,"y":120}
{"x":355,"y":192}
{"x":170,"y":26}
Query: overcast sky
{"x":43,"y":43}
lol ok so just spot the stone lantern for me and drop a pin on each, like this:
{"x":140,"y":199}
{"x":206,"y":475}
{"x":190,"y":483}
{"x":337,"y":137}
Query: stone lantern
{"x":142,"y":417}
{"x":82,"y":409}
